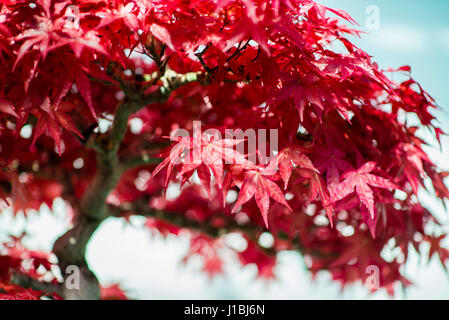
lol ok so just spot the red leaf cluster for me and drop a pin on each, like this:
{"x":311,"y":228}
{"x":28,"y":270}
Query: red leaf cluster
{"x":344,"y":150}
{"x":15,"y":260}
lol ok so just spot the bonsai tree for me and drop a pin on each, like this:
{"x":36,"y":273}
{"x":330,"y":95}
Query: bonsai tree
{"x":107,"y":103}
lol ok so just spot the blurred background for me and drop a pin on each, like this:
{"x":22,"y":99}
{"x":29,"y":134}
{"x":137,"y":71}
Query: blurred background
{"x":400,"y":32}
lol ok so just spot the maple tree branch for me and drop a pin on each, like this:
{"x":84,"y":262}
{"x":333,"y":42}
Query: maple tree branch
{"x":199,"y":55}
{"x":207,"y":227}
{"x":151,"y":52}
{"x":139,"y":160}
{"x":70,"y":248}
{"x":238,"y":50}
{"x":181,"y":220}
{"x":92,"y":211}
{"x":29,"y":282}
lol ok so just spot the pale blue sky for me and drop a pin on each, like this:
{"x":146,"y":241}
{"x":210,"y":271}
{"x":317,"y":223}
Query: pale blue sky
{"x":412,"y":32}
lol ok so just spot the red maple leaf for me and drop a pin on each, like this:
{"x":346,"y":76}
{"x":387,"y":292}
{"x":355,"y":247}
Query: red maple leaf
{"x":360,"y":180}
{"x":259,"y":185}
{"x":289,"y":157}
